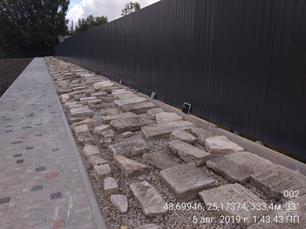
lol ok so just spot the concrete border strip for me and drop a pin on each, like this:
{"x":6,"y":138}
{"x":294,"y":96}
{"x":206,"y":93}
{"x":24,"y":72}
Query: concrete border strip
{"x":100,"y":222}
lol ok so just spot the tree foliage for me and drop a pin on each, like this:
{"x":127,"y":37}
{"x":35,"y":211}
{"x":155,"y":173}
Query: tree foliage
{"x":130,"y":8}
{"x":30,"y":27}
{"x":85,"y":24}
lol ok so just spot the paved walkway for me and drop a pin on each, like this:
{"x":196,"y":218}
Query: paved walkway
{"x":43,"y":183}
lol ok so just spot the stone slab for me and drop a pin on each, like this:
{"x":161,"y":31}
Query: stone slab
{"x":201,"y":134}
{"x":110,"y":186}
{"x":127,"y":95}
{"x":87,"y":99}
{"x":120,"y":91}
{"x":108,"y":118}
{"x":123,"y":102}
{"x":160,"y":160}
{"x":183,"y":136}
{"x":189,"y":153}
{"x":186,"y":180}
{"x":167,"y":117}
{"x":129,"y":124}
{"x":130,"y":148}
{"x":127,"y":134}
{"x":100,"y":129}
{"x":103,"y":85}
{"x":149,"y":198}
{"x":130,"y":167}
{"x":138,"y":108}
{"x":164,"y":130}
{"x":237,"y":195}
{"x":221,"y":145}
{"x":82,"y":129}
{"x":274,"y":181}
{"x":81,"y":112}
{"x":152,"y":112}
{"x":96,"y":160}
{"x":238,"y":167}
{"x":90,"y":150}
{"x":120,"y":202}
{"x":102,"y":171}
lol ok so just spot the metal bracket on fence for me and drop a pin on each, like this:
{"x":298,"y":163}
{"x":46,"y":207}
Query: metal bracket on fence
{"x":153,"y":95}
{"x":186,"y":108}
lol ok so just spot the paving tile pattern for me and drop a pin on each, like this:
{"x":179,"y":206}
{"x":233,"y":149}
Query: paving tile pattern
{"x":41,"y":181}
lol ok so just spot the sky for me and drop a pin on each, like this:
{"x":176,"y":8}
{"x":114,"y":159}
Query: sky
{"x":110,"y":8}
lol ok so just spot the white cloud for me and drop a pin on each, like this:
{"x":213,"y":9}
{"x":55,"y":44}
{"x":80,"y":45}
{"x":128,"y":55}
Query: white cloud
{"x":110,"y":8}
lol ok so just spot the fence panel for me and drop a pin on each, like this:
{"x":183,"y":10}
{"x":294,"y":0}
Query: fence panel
{"x":241,"y":64}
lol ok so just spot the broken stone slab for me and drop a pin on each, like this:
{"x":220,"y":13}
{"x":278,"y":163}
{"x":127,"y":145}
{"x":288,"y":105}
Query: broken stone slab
{"x":96,"y":160}
{"x":101,"y":171}
{"x":167,"y":117}
{"x":238,"y":167}
{"x":163,"y":130}
{"x":123,"y":102}
{"x":120,"y":202}
{"x":130,"y":148}
{"x":221,"y":145}
{"x":152,"y":112}
{"x":160,"y":160}
{"x":101,"y":129}
{"x":130,"y":167}
{"x":82,"y":129}
{"x":103,"y":85}
{"x":183,"y":136}
{"x":129,"y":124}
{"x":188,"y":152}
{"x":201,"y":134}
{"x":138,"y":108}
{"x":234,"y":194}
{"x":80,"y":112}
{"x":90,"y":150}
{"x":274,"y":181}
{"x":149,"y":226}
{"x":149,"y":198}
{"x":186,"y":180}
{"x":110,"y":186}
{"x":107,"y":119}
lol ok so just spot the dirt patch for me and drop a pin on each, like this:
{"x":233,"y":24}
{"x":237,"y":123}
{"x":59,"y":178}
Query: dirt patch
{"x":10,"y":69}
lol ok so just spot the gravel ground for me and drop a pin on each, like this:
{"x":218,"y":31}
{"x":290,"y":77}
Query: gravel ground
{"x":134,"y":217}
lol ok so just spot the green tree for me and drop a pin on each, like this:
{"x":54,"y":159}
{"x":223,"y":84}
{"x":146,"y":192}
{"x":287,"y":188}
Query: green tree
{"x":85,"y":24}
{"x":30,"y":27}
{"x":130,"y":8}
